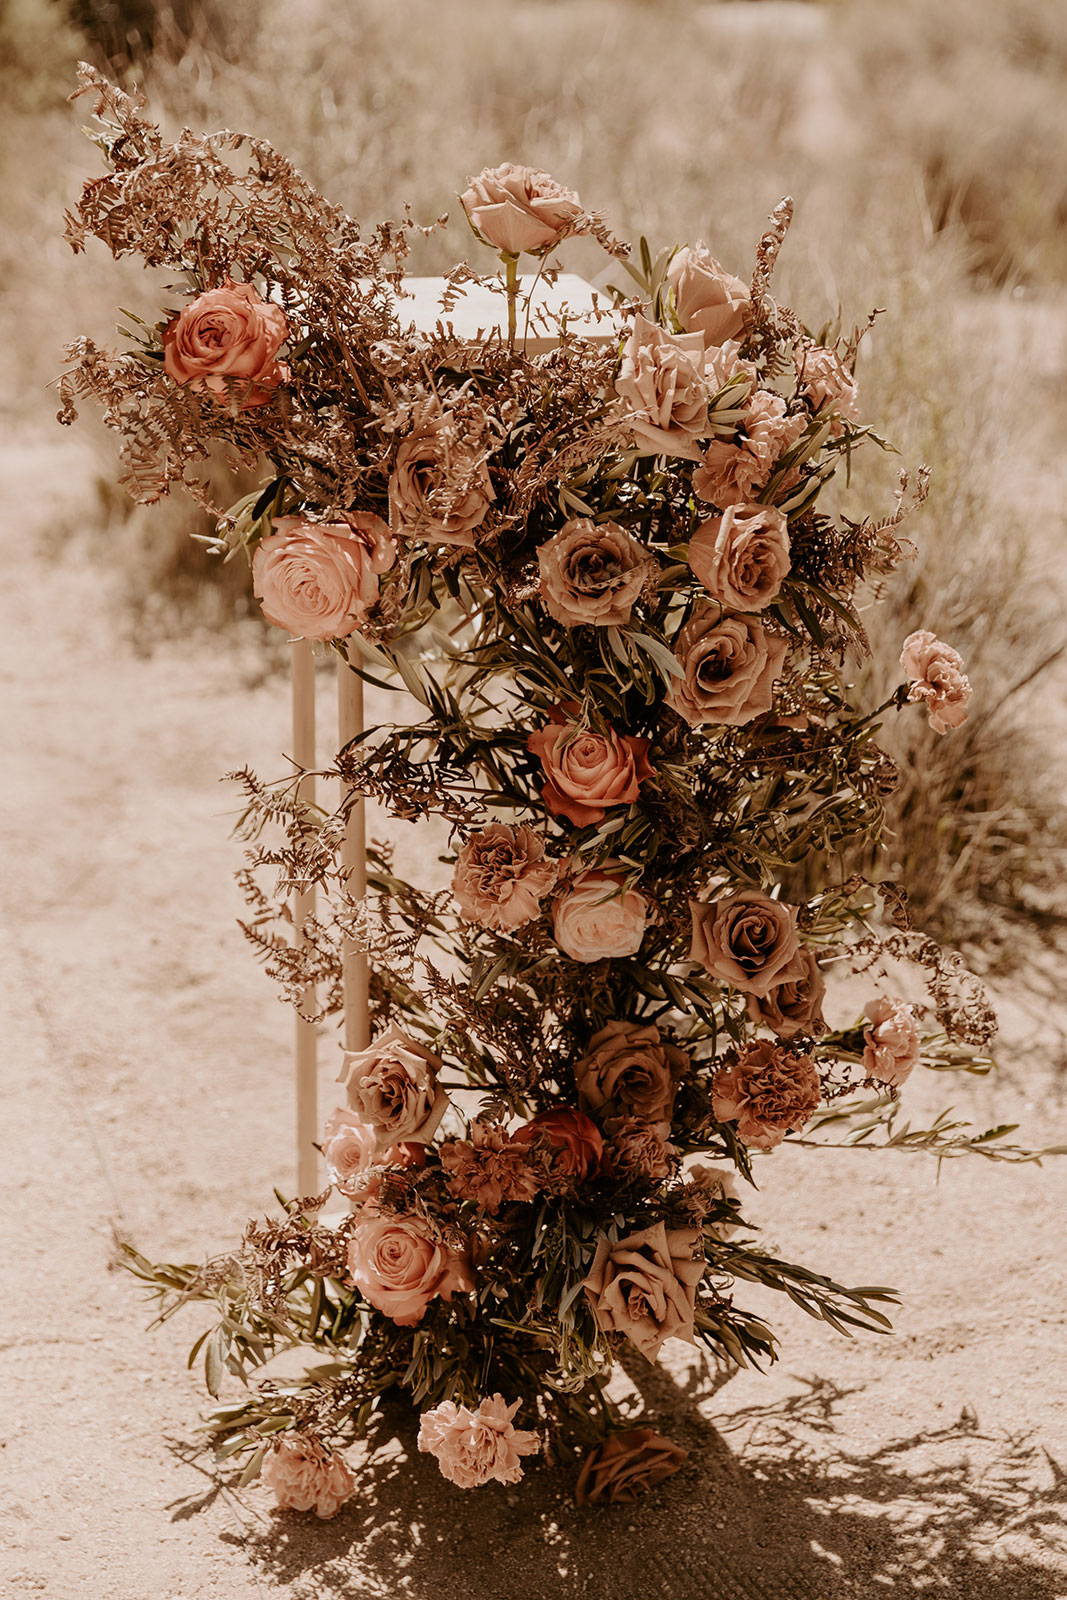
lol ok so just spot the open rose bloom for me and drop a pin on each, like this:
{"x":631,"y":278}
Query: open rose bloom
{"x":319,"y":580}
{"x":521,"y":210}
{"x":225,"y":343}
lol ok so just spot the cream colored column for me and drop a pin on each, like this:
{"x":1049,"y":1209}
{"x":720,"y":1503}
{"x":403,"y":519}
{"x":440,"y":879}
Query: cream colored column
{"x":355,"y":967}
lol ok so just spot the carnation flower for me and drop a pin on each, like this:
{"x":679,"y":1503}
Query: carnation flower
{"x":794,"y":1006}
{"x":572,"y":1139}
{"x":597,"y":918}
{"x":631,"y":1067}
{"x":225,"y":343}
{"x":710,"y":1186}
{"x":893,"y":1040}
{"x":729,"y":666}
{"x":742,"y":557}
{"x":768,"y":1092}
{"x":318,"y":580}
{"x":591,"y":573}
{"x":440,"y":489}
{"x":393,"y":1087}
{"x":644,"y":1286}
{"x":662,"y":386}
{"x":501,"y":874}
{"x":731,"y":473}
{"x":488,"y":1168}
{"x":519,"y":209}
{"x":637,"y":1151}
{"x":708,"y":299}
{"x":827,"y":382}
{"x":627,"y":1465}
{"x":305,"y":1475}
{"x":746,"y":940}
{"x":937,"y":679}
{"x":475,"y":1447}
{"x":588,"y":772}
{"x":398,"y":1263}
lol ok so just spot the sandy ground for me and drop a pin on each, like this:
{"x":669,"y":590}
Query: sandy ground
{"x":146,"y":1088}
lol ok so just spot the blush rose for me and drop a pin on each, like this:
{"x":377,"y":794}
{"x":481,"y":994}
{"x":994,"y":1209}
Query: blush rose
{"x":521,"y":210}
{"x":662,"y":386}
{"x":318,"y":580}
{"x":399,"y":1265}
{"x":588,"y":772}
{"x":597,"y":919}
{"x":225,"y":343}
{"x":708,"y":299}
{"x":591,"y":573}
{"x":742,"y":557}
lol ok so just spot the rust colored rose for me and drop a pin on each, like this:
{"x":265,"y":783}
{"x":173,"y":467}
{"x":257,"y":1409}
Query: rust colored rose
{"x":520,"y":210}
{"x":225,"y":343}
{"x":592,"y":573}
{"x":733,"y":472}
{"x":937,"y":679}
{"x":440,"y":489}
{"x":893,"y":1042}
{"x":501,"y":874}
{"x":742,"y":557}
{"x":794,"y":1006}
{"x":767,"y":1092}
{"x":663,"y":389}
{"x":631,"y":1067}
{"x":644,"y":1286}
{"x":318,"y":580}
{"x":708,"y":299}
{"x":627,"y":1465}
{"x":306,"y":1475}
{"x":596,"y":918}
{"x":588,"y":773}
{"x":399,"y":1265}
{"x":746,"y":940}
{"x":729,"y":665}
{"x":573,"y":1140}
{"x":392,"y":1086}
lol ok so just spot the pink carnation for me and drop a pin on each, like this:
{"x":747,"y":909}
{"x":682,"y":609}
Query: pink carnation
{"x":731,"y":473}
{"x":474,"y":1447}
{"x":306,"y":1475}
{"x":893,"y":1042}
{"x":936,"y":676}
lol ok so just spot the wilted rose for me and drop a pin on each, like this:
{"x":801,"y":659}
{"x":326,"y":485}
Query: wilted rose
{"x":588,"y":772}
{"x":318,"y":580}
{"x":794,"y":1006}
{"x":501,"y":874}
{"x":746,"y":940}
{"x":893,"y":1042}
{"x":645,"y":1285}
{"x":742,"y":557}
{"x":708,"y":299}
{"x":596,"y":918}
{"x":306,"y":1475}
{"x":663,"y":389}
{"x":631,"y":1067}
{"x":519,"y":209}
{"x":225,"y":343}
{"x":399,"y":1265}
{"x":474,"y":1447}
{"x":768,"y":1092}
{"x":591,"y":573}
{"x":729,"y":665}
{"x":937,"y":679}
{"x":392,"y":1085}
{"x":626,"y":1465}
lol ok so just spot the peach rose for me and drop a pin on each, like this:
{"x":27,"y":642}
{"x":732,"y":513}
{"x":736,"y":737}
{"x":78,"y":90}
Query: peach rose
{"x":488,"y":1168}
{"x":662,"y":386}
{"x":305,"y":1475}
{"x":349,"y":1148}
{"x":794,"y":1006}
{"x":731,"y":473}
{"x":501,"y":873}
{"x":399,"y":1265}
{"x":631,"y":1067}
{"x":729,"y":666}
{"x":708,"y":300}
{"x":573,"y":1139}
{"x":474,"y":1447}
{"x":626,"y":1465}
{"x":827,"y":382}
{"x":937,"y":679}
{"x":318,"y":580}
{"x":742,"y":557}
{"x":591,"y":573}
{"x":225,"y":343}
{"x":587,"y":772}
{"x":518,"y":209}
{"x":440,"y":489}
{"x":645,"y":1286}
{"x":597,"y":919}
{"x":767,"y":1092}
{"x":746,"y":940}
{"x":893,"y":1040}
{"x":392,"y":1086}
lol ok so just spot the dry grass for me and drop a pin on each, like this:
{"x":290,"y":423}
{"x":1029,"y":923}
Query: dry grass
{"x":925,"y":148}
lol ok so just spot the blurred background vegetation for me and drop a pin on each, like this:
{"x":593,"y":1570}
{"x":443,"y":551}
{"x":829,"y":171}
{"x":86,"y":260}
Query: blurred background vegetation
{"x":925,"y":146}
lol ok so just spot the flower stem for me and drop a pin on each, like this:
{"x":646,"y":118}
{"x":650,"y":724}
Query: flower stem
{"x":511,"y":283}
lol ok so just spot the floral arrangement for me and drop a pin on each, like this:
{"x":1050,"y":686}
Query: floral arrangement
{"x":613,"y":577}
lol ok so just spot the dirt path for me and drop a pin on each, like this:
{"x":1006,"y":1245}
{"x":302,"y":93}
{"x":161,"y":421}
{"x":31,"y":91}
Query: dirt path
{"x":145,"y":1085}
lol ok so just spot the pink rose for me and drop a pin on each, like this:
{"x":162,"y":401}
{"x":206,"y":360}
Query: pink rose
{"x":767,"y":1092}
{"x":626,"y":1465}
{"x":596,"y":918}
{"x":518,"y":209}
{"x":708,"y":300}
{"x":591,"y":573}
{"x":742,"y":557}
{"x":440,"y":489}
{"x":746,"y":940}
{"x":631,"y":1067}
{"x":305,"y":1475}
{"x":732,"y":472}
{"x":937,"y":678}
{"x":225,"y":343}
{"x":318,"y":580}
{"x":893,"y":1040}
{"x":645,"y":1286}
{"x":827,"y":382}
{"x":574,"y":1140}
{"x":349,"y":1149}
{"x":794,"y":1006}
{"x":588,"y":773}
{"x":501,"y":874}
{"x":729,"y":666}
{"x":399,"y":1265}
{"x":392,"y":1086}
{"x":474,"y":1447}
{"x":661,"y":384}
